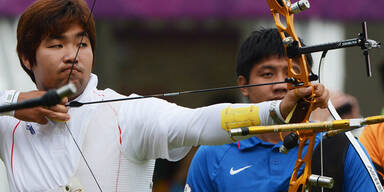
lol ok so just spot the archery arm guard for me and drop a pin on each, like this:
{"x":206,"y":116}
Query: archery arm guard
{"x":239,"y":117}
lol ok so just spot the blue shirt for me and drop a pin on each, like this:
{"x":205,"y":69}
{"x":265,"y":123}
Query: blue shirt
{"x":255,"y":165}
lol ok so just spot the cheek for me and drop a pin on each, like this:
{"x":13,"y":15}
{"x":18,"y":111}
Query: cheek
{"x":88,"y":59}
{"x":48,"y":59}
{"x":259,"y":94}
{"x":46,"y":65}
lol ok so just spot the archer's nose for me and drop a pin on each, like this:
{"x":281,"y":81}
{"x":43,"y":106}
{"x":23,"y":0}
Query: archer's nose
{"x":282,"y":87}
{"x":71,"y":56}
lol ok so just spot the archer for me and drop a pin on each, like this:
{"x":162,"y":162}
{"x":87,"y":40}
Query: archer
{"x":256,"y":164}
{"x":111,"y":146}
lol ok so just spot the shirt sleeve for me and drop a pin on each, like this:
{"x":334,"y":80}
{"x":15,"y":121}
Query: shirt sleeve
{"x":201,"y":172}
{"x":154,"y":128}
{"x":8,"y":97}
{"x":356,"y":176}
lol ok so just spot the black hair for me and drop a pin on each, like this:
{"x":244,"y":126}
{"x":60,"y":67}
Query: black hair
{"x":261,"y":44}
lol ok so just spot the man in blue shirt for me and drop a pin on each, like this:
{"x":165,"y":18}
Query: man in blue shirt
{"x":256,"y":164}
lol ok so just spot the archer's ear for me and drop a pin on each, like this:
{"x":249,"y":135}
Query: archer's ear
{"x":26,"y":63}
{"x":241,"y":80}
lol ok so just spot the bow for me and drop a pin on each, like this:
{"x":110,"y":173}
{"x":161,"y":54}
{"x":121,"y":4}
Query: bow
{"x":295,"y":51}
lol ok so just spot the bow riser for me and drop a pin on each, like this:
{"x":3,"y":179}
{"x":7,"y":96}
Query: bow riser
{"x":303,"y":109}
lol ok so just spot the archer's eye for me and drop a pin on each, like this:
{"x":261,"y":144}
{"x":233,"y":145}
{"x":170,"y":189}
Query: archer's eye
{"x":267,"y":75}
{"x":83,"y":45}
{"x":56,"y":46}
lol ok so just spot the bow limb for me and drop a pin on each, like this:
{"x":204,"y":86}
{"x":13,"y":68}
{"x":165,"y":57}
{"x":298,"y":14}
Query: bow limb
{"x":282,"y":8}
{"x":360,"y":151}
{"x":278,"y":10}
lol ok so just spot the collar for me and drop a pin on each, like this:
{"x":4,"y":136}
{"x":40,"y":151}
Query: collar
{"x":87,"y":93}
{"x":253,"y":142}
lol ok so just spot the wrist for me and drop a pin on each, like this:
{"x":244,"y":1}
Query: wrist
{"x":274,"y":112}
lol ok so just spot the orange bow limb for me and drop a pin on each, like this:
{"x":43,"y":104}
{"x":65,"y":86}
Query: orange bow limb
{"x":284,"y":8}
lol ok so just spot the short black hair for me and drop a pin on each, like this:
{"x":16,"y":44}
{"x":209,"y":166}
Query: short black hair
{"x":261,"y":44}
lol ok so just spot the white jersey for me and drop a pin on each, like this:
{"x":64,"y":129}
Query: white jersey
{"x":119,"y":140}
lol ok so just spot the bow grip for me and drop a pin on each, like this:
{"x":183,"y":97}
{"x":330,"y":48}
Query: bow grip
{"x":302,"y":110}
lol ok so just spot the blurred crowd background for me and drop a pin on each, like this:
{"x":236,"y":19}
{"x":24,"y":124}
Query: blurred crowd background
{"x":158,"y":46}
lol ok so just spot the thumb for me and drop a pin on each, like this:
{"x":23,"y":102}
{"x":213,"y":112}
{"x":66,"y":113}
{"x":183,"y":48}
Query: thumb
{"x":64,"y":100}
{"x":303,"y":92}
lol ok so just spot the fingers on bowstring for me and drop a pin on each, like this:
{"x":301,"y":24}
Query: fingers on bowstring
{"x":40,"y":115}
{"x":59,"y":108}
{"x":56,"y":113}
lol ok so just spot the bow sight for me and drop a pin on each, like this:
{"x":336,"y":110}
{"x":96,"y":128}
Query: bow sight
{"x":362,"y":41}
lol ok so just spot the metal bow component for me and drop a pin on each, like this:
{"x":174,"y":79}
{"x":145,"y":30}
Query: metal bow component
{"x":316,"y":126}
{"x":361,"y":41}
{"x":301,"y":113}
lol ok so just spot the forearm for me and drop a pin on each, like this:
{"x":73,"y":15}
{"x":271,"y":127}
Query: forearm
{"x":152,"y":127}
{"x":8,"y":97}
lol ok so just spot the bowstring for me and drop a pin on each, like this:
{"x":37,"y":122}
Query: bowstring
{"x":81,"y":41}
{"x":320,"y":69}
{"x":69,"y":77}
